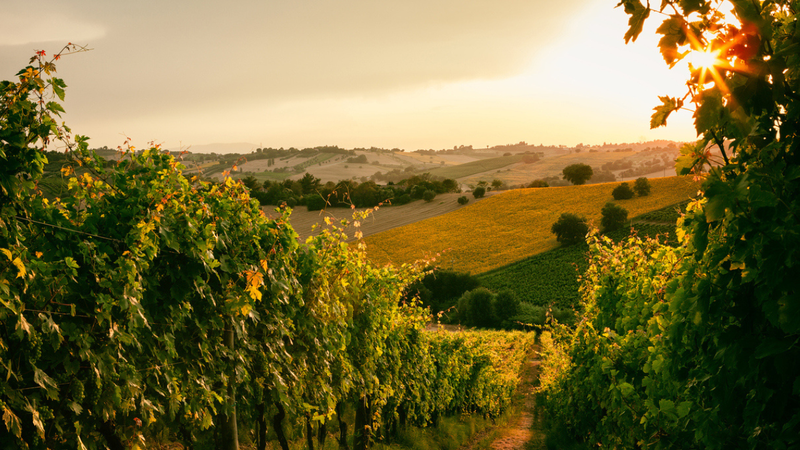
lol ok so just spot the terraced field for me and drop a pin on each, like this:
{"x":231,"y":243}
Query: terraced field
{"x":511,"y":225}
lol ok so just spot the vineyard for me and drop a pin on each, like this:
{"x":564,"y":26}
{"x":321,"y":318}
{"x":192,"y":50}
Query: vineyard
{"x":698,"y":345}
{"x":144,"y":303}
{"x":512,"y":225}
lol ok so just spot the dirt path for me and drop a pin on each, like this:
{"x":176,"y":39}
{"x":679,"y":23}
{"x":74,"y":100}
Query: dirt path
{"x":520,"y":433}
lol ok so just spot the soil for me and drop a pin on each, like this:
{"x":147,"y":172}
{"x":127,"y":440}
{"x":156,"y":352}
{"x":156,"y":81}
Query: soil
{"x":523,"y":432}
{"x":385,"y":218}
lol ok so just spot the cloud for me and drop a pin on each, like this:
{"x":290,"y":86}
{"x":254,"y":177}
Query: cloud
{"x":28,"y":28}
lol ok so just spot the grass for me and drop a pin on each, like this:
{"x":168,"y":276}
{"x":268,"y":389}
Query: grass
{"x":512,"y":225}
{"x":266,"y":175}
{"x":474,"y":167}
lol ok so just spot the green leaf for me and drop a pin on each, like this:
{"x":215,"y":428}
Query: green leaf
{"x":626,"y":389}
{"x":674,"y":31}
{"x":709,"y":113}
{"x":773,"y":346}
{"x":58,"y":88}
{"x":690,"y":6}
{"x":724,"y":195}
{"x":55,"y":107}
{"x":683,"y":408}
{"x":659,"y":117}
{"x":685,"y":163}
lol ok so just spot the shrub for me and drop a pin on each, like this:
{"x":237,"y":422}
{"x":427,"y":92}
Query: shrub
{"x":538,"y":184}
{"x":463,"y":200}
{"x":622,"y":192}
{"x":475,"y":308}
{"x":642,"y":186}
{"x":428,"y":195}
{"x":441,"y":289}
{"x":315,"y":202}
{"x":479,"y":192}
{"x":262,"y":197}
{"x":614,"y":216}
{"x":402,"y":200}
{"x":570,"y":229}
{"x":530,"y":314}
{"x":506,"y":306}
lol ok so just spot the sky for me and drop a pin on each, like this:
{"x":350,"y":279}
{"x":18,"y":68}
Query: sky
{"x":410,"y":74}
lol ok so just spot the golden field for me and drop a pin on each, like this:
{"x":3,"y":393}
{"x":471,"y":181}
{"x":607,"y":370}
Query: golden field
{"x":512,"y":225}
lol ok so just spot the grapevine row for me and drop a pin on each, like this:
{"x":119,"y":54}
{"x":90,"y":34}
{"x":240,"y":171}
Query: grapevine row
{"x":145,"y":302}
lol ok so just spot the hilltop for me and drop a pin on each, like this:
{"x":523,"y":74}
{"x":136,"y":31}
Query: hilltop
{"x":515,"y":165}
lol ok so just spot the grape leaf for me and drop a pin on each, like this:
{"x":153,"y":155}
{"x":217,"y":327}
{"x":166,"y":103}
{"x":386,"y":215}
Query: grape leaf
{"x":674,"y":31}
{"x":659,"y":117}
{"x":638,"y":14}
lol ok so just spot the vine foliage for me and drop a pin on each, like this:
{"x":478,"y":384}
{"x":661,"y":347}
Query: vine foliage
{"x":699,"y":347}
{"x":145,"y":303}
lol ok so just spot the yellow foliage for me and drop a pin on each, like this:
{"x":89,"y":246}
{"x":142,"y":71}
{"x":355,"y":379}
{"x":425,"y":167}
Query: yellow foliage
{"x":512,"y":225}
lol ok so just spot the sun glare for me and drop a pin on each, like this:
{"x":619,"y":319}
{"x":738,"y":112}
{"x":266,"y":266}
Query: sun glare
{"x":705,"y":59}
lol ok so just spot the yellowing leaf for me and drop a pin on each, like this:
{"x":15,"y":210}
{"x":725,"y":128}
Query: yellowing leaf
{"x":20,"y":267}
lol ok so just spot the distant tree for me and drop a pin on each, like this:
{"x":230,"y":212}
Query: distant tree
{"x":483,"y":183}
{"x":428,"y":195}
{"x":479,"y":192}
{"x":577,"y":174}
{"x":603,"y":176}
{"x":570,"y":229}
{"x":496,"y":184}
{"x":463,"y":200}
{"x":622,"y":192}
{"x":251,"y":182}
{"x":315,"y":202}
{"x":538,"y":184}
{"x":402,"y":200}
{"x":450,"y":185}
{"x":642,"y":186}
{"x":614,"y":216}
{"x":310,"y":183}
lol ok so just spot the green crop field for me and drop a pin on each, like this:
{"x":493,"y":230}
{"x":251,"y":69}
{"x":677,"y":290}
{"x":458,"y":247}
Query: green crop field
{"x":471,"y":168}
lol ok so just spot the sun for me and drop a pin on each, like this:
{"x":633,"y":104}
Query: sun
{"x":704,"y":59}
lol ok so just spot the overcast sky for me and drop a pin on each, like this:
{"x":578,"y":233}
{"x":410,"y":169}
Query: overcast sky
{"x":411,"y":74}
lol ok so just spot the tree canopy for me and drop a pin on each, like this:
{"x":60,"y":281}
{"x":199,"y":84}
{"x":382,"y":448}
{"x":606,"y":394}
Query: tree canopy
{"x":578,"y":174}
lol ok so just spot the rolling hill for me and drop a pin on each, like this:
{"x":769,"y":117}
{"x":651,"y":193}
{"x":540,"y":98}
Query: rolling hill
{"x":511,"y":225}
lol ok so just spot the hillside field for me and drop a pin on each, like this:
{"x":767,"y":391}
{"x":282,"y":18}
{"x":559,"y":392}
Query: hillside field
{"x":511,"y":225}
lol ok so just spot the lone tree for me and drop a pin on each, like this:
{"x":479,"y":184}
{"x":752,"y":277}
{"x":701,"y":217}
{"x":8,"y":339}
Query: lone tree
{"x":642,"y":186}
{"x":570,"y":229}
{"x":622,"y":192}
{"x":479,"y":192}
{"x":578,"y":174}
{"x":614,"y":216}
